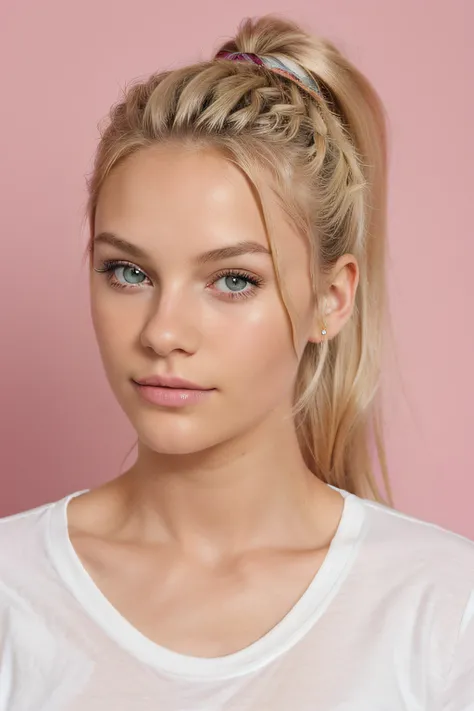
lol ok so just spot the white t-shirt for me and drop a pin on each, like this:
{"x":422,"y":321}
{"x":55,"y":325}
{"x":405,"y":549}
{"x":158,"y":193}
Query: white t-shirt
{"x":387,"y":624}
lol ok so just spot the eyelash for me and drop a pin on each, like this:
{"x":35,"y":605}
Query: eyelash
{"x":108,"y":268}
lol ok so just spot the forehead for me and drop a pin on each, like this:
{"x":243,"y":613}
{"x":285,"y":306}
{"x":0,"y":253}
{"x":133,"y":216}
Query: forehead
{"x":174,"y":197}
{"x":170,"y":187}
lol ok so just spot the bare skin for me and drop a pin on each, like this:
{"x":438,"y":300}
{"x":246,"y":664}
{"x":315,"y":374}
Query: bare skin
{"x":215,"y":532}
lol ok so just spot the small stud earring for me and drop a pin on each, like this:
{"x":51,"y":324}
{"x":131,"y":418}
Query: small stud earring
{"x":324,"y":329}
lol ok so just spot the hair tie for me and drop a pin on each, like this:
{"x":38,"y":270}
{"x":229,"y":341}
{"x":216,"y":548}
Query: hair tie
{"x":287,"y":68}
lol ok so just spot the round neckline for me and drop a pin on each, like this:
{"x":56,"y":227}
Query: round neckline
{"x":285,"y":634}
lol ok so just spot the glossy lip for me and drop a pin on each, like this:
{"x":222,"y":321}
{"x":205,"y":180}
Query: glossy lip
{"x":164,"y":396}
{"x":163,"y":381}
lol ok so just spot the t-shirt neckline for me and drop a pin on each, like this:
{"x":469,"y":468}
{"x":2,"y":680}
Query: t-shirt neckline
{"x":284,"y":635}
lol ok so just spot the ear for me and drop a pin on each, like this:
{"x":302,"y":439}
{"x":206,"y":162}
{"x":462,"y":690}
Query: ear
{"x":337,"y":303}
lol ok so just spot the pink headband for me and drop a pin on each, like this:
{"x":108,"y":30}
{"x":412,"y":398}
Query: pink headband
{"x":288,"y":68}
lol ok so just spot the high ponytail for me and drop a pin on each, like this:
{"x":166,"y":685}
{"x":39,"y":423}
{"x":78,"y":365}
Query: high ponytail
{"x":334,"y":148}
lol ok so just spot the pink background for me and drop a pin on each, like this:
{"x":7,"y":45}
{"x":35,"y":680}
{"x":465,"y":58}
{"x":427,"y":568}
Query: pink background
{"x":63,"y":64}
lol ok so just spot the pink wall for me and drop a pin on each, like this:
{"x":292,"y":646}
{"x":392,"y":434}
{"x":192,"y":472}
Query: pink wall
{"x":62,"y":65}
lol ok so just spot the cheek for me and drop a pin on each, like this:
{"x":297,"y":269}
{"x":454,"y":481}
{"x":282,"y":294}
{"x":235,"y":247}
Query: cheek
{"x":115,"y":331}
{"x":260,"y":353}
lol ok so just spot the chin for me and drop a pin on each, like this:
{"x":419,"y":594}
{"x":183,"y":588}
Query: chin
{"x":169,"y":434}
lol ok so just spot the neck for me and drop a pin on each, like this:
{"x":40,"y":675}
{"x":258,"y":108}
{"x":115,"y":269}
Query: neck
{"x":251,"y":492}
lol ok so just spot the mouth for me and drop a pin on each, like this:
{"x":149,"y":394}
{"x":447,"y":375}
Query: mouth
{"x":171,"y":395}
{"x":170,"y":383}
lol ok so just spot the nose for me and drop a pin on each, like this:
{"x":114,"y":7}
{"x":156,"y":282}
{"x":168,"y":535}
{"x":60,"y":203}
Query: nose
{"x":172,"y":324}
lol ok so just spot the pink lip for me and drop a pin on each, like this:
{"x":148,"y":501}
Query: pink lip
{"x":163,"y":381}
{"x":171,"y":392}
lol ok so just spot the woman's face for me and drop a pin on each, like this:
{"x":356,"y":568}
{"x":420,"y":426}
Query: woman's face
{"x":165,"y":309}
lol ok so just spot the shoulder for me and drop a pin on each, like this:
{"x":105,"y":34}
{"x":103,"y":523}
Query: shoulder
{"x":21,"y":522}
{"x":419,"y":558}
{"x":24,"y":544}
{"x":21,"y":534}
{"x":426,"y":573}
{"x":22,"y":560}
{"x":396,"y":517}
{"x":423,"y":543}
{"x":29,"y":580}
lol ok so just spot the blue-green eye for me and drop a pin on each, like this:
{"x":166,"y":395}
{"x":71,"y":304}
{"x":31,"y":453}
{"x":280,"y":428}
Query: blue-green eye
{"x":122,"y":275}
{"x":131,"y":275}
{"x":125,"y":275}
{"x":234,"y":283}
{"x":237,"y":284}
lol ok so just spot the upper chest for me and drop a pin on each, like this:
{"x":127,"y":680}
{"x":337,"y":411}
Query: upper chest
{"x":199,"y":609}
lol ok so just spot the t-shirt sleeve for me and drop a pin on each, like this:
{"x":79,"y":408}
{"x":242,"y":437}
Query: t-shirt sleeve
{"x":459,"y":691}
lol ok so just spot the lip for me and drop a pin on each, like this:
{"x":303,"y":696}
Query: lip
{"x":163,"y":381}
{"x":171,"y":396}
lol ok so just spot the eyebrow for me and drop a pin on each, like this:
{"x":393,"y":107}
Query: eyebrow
{"x":213,"y":255}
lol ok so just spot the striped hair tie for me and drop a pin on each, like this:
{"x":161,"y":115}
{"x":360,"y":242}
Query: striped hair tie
{"x":287,"y":68}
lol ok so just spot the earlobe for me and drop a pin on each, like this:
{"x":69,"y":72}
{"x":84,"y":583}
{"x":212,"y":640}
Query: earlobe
{"x":324,"y":332}
{"x":321,"y":327}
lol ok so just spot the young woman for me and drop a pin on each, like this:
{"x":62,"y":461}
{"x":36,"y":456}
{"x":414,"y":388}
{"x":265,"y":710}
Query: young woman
{"x":246,"y":561}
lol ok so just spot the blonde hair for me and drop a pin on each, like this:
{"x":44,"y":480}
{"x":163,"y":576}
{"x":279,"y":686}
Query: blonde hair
{"x":334,"y":149}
